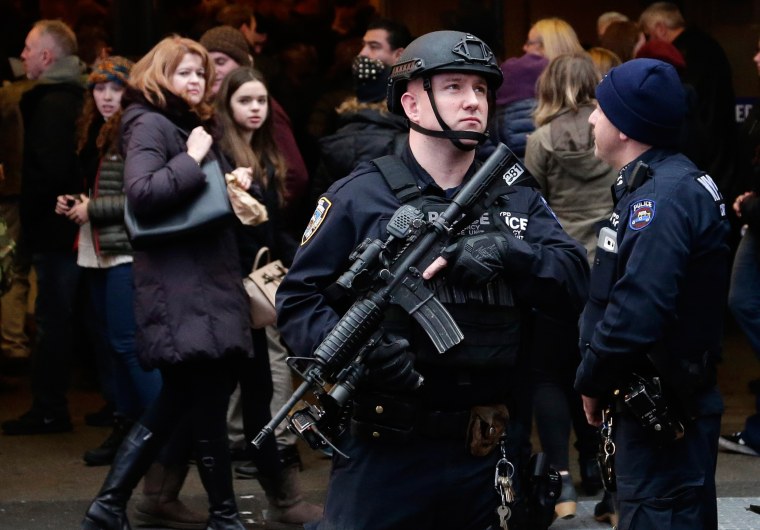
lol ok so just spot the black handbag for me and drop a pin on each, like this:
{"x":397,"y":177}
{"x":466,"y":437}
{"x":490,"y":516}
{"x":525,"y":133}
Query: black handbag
{"x":210,"y":208}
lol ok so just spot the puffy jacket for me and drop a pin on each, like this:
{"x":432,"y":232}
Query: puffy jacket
{"x":189,"y":300}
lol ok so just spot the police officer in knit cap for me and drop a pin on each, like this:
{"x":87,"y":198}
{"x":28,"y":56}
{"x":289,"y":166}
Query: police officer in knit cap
{"x":652,"y":328}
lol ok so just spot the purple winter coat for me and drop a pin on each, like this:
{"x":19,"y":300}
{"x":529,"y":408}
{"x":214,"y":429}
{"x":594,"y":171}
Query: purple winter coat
{"x":189,"y":298}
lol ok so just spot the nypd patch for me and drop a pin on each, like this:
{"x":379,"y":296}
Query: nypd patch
{"x":323,"y":206}
{"x":642,"y":213}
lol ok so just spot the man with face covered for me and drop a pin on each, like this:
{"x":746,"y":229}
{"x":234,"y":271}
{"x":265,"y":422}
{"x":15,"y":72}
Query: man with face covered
{"x":366,"y":129}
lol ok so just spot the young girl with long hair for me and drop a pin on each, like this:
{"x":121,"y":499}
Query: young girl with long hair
{"x":243,"y":111}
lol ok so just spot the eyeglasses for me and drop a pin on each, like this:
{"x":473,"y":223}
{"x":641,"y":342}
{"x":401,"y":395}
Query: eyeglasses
{"x":534,"y":42}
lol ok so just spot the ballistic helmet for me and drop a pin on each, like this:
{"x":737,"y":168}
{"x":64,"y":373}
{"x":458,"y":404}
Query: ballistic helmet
{"x":441,"y":51}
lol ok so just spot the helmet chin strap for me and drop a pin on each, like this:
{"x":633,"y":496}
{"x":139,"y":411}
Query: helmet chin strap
{"x":446,"y":132}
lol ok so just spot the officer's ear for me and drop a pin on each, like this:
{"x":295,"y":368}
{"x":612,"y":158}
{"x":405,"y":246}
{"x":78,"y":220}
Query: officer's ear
{"x":410,"y":104}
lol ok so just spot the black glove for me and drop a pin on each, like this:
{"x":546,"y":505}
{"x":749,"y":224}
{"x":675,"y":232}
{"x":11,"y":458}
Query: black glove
{"x":476,"y":260}
{"x":391,"y":365}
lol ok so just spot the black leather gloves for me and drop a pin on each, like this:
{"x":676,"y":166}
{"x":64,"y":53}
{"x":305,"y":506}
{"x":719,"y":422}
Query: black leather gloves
{"x":476,"y":260}
{"x":391,"y":365}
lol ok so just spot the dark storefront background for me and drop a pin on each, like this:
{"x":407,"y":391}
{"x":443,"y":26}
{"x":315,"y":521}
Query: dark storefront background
{"x":133,"y":26}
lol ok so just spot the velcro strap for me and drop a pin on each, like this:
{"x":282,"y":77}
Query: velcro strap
{"x":398,"y":177}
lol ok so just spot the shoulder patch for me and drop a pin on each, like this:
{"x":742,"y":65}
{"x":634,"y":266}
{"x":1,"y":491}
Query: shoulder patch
{"x":642,"y":213}
{"x":323,"y":206}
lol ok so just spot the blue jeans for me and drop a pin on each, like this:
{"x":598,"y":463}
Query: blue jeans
{"x":744,"y":301}
{"x":112,"y":294}
{"x":58,"y":277}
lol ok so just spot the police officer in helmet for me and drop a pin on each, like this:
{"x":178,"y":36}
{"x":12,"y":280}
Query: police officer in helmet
{"x":425,"y":426}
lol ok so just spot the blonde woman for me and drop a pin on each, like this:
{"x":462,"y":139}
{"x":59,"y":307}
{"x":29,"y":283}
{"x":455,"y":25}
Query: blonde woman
{"x":603,"y":59}
{"x":516,"y":98}
{"x":560,"y":154}
{"x":551,"y":37}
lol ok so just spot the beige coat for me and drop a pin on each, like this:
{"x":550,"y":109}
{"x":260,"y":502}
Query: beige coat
{"x":560,"y":154}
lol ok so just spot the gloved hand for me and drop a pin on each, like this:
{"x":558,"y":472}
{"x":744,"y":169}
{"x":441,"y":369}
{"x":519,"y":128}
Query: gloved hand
{"x":391,"y":365}
{"x":476,"y":260}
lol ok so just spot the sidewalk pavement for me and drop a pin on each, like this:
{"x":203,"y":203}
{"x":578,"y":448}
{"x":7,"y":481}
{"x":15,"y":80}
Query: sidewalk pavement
{"x":44,"y":483}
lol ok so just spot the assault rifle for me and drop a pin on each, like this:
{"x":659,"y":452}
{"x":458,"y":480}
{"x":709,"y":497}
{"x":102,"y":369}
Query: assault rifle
{"x":390,"y":272}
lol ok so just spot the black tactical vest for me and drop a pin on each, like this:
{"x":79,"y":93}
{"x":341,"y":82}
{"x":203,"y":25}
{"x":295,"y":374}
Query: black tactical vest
{"x":488,"y":316}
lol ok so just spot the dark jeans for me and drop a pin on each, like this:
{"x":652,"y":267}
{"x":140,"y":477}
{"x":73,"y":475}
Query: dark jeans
{"x":112,"y":295}
{"x":58,"y":282}
{"x":557,"y":405}
{"x":744,"y":295}
{"x":256,"y":390}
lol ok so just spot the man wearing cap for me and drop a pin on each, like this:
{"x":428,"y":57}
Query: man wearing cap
{"x":511,"y":259}
{"x":656,"y":305}
{"x":228,"y":49}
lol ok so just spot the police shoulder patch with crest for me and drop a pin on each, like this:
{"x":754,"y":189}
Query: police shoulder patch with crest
{"x":320,"y":212}
{"x":642,"y":213}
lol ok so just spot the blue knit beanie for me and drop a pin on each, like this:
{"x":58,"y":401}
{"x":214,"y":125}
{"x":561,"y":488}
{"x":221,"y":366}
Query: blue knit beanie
{"x":644,"y":99}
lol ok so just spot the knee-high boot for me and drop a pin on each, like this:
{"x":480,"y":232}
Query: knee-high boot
{"x":108,"y":510}
{"x":215,"y":470}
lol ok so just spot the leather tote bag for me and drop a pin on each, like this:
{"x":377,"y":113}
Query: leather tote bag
{"x":261,"y":285}
{"x":210,"y":208}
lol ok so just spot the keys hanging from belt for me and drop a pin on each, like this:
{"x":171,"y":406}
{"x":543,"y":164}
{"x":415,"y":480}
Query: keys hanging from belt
{"x":502,"y":482}
{"x":606,"y":456}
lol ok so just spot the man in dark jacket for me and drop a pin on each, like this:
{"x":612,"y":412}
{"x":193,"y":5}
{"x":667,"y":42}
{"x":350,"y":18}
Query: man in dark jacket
{"x":709,"y":72}
{"x":49,"y":112}
{"x":366,"y":129}
{"x":744,"y":293}
{"x":652,"y":328}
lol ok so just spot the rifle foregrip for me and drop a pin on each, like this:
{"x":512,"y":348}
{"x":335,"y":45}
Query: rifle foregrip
{"x":348,"y":335}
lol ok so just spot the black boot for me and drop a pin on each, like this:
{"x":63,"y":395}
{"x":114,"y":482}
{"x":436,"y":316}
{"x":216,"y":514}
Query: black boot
{"x":108,"y":510}
{"x":104,"y":454}
{"x":591,"y":477}
{"x":215,"y":470}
